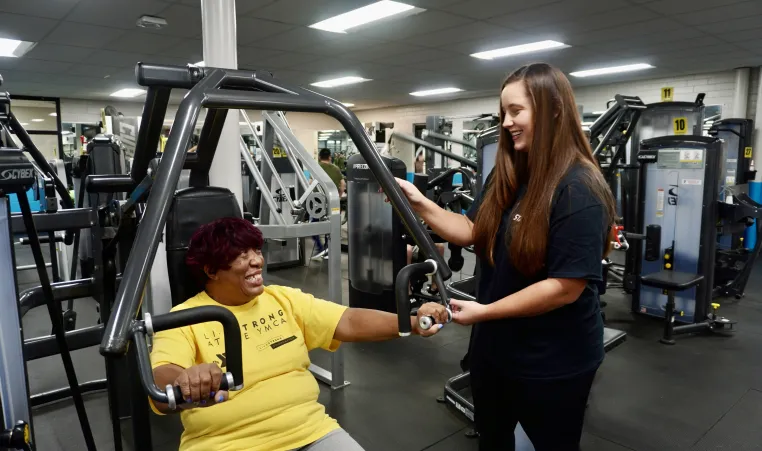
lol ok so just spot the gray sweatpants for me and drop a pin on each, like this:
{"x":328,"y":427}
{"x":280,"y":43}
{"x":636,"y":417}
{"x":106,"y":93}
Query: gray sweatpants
{"x":336,"y":440}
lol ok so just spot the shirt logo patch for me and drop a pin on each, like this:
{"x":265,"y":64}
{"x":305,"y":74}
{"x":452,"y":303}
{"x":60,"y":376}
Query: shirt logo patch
{"x":517,"y":218}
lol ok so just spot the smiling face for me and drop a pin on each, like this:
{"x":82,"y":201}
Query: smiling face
{"x":242,"y":282}
{"x":518,"y":114}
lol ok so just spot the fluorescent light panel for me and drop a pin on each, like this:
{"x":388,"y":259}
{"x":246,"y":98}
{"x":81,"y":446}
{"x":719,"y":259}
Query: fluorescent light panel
{"x":13,"y":48}
{"x":53,"y":114}
{"x":38,"y":120}
{"x":611,"y":70}
{"x":519,"y":49}
{"x":200,"y":64}
{"x":339,"y":82}
{"x":433,"y":92}
{"x":127,"y":93}
{"x":348,"y":105}
{"x":361,"y":16}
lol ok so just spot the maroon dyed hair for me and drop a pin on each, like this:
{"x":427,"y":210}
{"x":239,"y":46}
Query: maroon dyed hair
{"x":217,"y":244}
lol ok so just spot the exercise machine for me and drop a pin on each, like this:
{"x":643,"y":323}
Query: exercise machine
{"x":218,"y":90}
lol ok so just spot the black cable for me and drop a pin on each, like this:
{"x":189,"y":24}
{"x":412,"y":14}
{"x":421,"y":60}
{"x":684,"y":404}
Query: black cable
{"x":56,"y":319}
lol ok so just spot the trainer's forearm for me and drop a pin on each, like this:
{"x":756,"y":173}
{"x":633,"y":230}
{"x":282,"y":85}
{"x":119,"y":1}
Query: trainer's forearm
{"x":455,"y":228}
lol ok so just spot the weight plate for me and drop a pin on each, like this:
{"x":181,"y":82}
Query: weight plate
{"x":317,"y":206}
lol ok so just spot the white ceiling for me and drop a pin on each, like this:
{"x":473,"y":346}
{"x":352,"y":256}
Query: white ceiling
{"x":88,"y":48}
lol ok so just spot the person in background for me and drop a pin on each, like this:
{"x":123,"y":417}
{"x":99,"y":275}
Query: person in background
{"x":324,"y":159}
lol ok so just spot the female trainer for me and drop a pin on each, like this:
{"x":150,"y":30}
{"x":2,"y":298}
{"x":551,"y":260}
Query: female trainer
{"x":540,"y":228}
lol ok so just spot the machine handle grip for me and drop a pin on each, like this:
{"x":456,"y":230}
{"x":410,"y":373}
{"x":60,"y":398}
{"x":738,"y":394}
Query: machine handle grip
{"x":426,"y":322}
{"x":175,"y":393}
{"x":166,"y":76}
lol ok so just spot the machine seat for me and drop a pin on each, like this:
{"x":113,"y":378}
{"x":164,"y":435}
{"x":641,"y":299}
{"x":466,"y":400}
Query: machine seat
{"x":191,"y":208}
{"x":671,"y":280}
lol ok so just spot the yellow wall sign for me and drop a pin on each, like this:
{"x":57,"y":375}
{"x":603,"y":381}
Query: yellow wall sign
{"x":747,"y":152}
{"x":667,"y":94}
{"x":680,"y":125}
{"x":278,"y":152}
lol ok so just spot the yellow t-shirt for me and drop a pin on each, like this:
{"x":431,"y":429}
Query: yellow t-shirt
{"x":277,"y":409}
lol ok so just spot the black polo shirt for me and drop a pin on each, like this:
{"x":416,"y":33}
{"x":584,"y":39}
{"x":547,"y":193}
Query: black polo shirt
{"x":565,"y":341}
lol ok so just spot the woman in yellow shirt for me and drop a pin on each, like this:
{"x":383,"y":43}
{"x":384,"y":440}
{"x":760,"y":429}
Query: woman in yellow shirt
{"x":277,"y":409}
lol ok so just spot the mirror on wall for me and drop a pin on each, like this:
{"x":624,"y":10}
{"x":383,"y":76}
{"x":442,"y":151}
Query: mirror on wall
{"x":39,"y":117}
{"x":338,"y":142}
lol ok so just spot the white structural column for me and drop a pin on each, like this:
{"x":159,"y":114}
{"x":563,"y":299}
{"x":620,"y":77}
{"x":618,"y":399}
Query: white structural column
{"x":218,"y":23}
{"x":758,"y":129}
{"x":741,"y":93}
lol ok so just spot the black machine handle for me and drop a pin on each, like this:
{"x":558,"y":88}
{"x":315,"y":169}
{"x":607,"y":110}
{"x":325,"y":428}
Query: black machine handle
{"x":468,"y":178}
{"x":172,"y":395}
{"x":401,"y":285}
{"x":652,"y":239}
{"x":273,"y":95}
{"x":159,"y":75}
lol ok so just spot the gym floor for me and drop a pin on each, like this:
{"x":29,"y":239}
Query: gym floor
{"x":704,"y":393}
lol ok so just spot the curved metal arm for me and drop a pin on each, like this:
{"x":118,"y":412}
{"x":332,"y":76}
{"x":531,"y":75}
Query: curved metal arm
{"x":207,"y":93}
{"x":181,"y":318}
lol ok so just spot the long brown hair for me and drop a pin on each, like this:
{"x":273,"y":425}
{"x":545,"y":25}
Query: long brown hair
{"x":558,"y":143}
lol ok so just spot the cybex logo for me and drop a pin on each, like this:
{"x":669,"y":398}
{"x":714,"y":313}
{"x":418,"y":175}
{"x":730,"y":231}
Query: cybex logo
{"x":360,"y":166}
{"x":646,"y":157}
{"x":517,"y":218}
{"x":15,"y":174}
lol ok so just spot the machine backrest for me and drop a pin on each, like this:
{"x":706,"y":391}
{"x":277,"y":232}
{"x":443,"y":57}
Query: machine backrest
{"x":190,"y":209}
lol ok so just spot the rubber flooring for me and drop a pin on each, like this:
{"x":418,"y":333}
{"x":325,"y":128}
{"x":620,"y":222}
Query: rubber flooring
{"x":704,"y":393}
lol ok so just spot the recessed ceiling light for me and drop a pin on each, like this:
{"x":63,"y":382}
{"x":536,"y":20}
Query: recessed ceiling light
{"x":53,"y":114}
{"x":152,"y":22}
{"x":14,"y":48}
{"x":38,"y":120}
{"x":348,"y":105}
{"x":24,"y":123}
{"x":519,"y":49}
{"x":361,"y":16}
{"x":129,"y":92}
{"x":611,"y":70}
{"x":433,"y":92}
{"x":339,"y":82}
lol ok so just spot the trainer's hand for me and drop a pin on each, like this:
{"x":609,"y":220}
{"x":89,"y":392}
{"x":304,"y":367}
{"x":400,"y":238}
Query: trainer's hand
{"x":467,"y":312}
{"x":200,"y":385}
{"x":417,"y":200}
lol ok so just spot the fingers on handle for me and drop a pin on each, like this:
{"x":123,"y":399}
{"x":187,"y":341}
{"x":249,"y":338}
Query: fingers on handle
{"x":195,"y":385}
{"x":220,"y":396}
{"x":183,"y":381}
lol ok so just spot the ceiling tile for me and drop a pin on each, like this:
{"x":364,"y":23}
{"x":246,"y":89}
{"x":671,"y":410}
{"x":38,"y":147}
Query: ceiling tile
{"x":189,"y":49}
{"x":38,"y":8}
{"x":52,"y":67}
{"x":381,"y":50}
{"x":115,"y":13}
{"x":297,"y":38}
{"x":425,"y":22}
{"x":454,"y":64}
{"x":82,"y":35}
{"x":300,"y":12}
{"x":142,"y":42}
{"x":477,"y":9}
{"x":433,"y":4}
{"x":251,"y":56}
{"x":379,"y":71}
{"x":51,"y":52}
{"x":243,"y":7}
{"x":183,"y":21}
{"x":340,"y":47}
{"x":678,"y":8}
{"x":458,"y":34}
{"x":728,"y":26}
{"x":287,"y":59}
{"x":496,"y":41}
{"x":25,"y":28}
{"x":415,"y":56}
{"x":117,"y":59}
{"x":250,"y":30}
{"x":721,"y":13}
{"x":753,"y":46}
{"x":743,"y":35}
{"x":658,"y":30}
{"x":556,"y":13}
{"x":93,"y":71}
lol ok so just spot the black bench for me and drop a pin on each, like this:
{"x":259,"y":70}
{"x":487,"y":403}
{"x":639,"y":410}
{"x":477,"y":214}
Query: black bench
{"x":673,"y":282}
